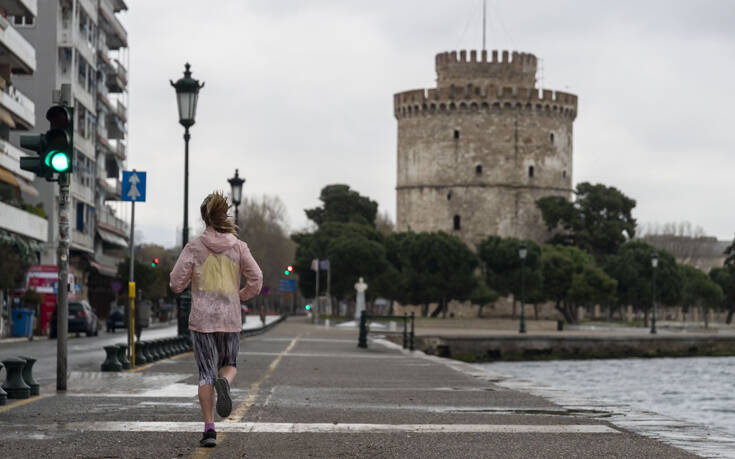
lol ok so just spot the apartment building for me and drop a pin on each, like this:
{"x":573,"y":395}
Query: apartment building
{"x":23,"y":227}
{"x":83,"y":43}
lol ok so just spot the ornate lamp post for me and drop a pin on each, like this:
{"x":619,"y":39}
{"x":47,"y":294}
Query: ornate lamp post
{"x":187,"y":93}
{"x":522,"y":252}
{"x":236,"y":184}
{"x":654,"y":265}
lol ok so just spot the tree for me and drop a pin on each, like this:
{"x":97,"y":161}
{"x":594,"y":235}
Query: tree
{"x":597,"y":221}
{"x":631,"y":267}
{"x":502,"y":268}
{"x":438,"y":267}
{"x":483,"y":295}
{"x":725,"y":278}
{"x":699,"y":290}
{"x":730,"y":254}
{"x":263,"y":226}
{"x":572,"y":279}
{"x":340,"y":204}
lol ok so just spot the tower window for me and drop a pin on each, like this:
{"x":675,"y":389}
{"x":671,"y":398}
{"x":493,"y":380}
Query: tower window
{"x":449,"y":196}
{"x":530,"y":171}
{"x":478,"y":169}
{"x":457,"y":223}
{"x":564,"y":173}
{"x":456,"y":134}
{"x":551,"y":138}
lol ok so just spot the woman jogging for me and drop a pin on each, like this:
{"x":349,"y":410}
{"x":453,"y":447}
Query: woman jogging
{"x":213,"y":263}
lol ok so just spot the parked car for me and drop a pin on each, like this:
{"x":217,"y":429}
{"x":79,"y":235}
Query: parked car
{"x":116,"y":319}
{"x":81,"y":319}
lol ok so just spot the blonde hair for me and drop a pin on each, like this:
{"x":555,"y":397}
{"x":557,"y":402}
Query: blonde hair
{"x":214,"y":213}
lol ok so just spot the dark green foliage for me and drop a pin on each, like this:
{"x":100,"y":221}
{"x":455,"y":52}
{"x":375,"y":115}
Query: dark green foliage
{"x":340,"y":204}
{"x":483,"y":295}
{"x":730,"y":254}
{"x":698,"y":289}
{"x":631,"y":267}
{"x":502,"y":267}
{"x":595,"y":221}
{"x":725,"y":278}
{"x":572,"y":279}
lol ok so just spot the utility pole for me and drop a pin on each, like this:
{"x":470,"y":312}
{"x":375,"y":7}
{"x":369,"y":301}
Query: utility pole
{"x":131,"y":288}
{"x":316,"y":298}
{"x":62,"y":299}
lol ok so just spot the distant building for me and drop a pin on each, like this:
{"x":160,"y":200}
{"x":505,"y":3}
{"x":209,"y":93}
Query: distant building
{"x":83,"y":43}
{"x":702,"y":252}
{"x":477,"y":151}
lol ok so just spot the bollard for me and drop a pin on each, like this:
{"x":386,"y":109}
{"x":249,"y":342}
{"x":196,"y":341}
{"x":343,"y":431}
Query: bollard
{"x":14,"y":384}
{"x":28,"y":375}
{"x":168,"y":347}
{"x":362,"y":339}
{"x":140,"y":354}
{"x":111,"y":363}
{"x":3,"y":394}
{"x":559,"y":325}
{"x":188,"y":343}
{"x":156,"y":349}
{"x":122,"y":357}
{"x":147,"y":351}
{"x":411,"y":336}
{"x":405,"y":330}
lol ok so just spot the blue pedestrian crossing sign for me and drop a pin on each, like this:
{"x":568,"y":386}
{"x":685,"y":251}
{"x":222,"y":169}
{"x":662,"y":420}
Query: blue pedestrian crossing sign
{"x":133,"y":186}
{"x":287,"y":285}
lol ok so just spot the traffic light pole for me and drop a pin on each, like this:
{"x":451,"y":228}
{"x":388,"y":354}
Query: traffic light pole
{"x":62,"y":300}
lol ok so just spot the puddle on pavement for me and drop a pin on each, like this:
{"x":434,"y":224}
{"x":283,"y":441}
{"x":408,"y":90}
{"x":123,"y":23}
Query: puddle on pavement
{"x":129,"y":384}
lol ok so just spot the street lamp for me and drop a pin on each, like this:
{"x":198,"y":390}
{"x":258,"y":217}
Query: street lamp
{"x":654,"y":265}
{"x":187,"y":93}
{"x":522,"y":252}
{"x":236,"y":184}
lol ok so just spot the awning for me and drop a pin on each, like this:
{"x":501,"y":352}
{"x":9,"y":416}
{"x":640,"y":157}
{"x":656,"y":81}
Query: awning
{"x":103,"y":269}
{"x":27,"y":187}
{"x":8,"y":177}
{"x":112,"y":238}
{"x":7,"y":118}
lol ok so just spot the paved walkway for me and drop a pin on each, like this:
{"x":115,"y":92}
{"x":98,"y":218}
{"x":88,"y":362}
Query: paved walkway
{"x":308,"y":391}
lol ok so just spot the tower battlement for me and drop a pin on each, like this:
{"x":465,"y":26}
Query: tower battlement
{"x":486,"y":98}
{"x":502,"y":68}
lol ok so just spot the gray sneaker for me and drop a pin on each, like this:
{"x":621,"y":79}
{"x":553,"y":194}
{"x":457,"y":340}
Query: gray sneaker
{"x":224,"y":401}
{"x":209,"y":439}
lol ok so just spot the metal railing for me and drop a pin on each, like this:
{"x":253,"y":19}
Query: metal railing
{"x":408,"y":336}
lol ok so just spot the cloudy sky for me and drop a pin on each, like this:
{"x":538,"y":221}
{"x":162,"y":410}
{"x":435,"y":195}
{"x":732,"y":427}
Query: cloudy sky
{"x":299,"y":95}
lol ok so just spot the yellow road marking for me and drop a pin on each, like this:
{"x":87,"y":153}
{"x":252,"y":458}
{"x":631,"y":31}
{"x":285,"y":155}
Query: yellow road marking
{"x":148,"y":365}
{"x":26,"y":401}
{"x":239,"y":413}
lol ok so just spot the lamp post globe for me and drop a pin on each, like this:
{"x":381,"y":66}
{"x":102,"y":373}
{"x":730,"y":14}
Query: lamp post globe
{"x":522,"y":252}
{"x":187,"y":95}
{"x":236,"y":185}
{"x":654,"y":265}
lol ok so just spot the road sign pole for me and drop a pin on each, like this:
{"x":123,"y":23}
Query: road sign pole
{"x":62,"y":300}
{"x":316,"y":298}
{"x":131,"y":292}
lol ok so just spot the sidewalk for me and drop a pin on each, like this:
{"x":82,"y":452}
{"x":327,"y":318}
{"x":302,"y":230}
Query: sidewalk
{"x":308,"y":391}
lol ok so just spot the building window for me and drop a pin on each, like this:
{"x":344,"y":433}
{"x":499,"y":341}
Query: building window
{"x":23,"y":21}
{"x":530,"y":171}
{"x":457,"y":223}
{"x":449,"y":196}
{"x":551,"y":138}
{"x":478,"y":169}
{"x":456,"y":134}
{"x":564,"y":173}
{"x":80,"y":217}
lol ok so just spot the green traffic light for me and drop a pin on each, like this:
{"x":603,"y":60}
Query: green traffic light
{"x":307,"y":307}
{"x":58,"y":161}
{"x":153,"y":265}
{"x":286,"y":272}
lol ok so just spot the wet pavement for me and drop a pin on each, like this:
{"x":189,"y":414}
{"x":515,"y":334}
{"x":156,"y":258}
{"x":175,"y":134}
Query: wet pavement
{"x":307,"y":391}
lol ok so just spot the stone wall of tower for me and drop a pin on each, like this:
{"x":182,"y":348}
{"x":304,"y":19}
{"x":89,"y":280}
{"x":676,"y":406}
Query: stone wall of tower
{"x":482,"y":152}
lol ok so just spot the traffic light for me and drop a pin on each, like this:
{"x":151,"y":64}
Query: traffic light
{"x":288,"y":270}
{"x":154,"y":263}
{"x":55,"y":148}
{"x":307,"y":307}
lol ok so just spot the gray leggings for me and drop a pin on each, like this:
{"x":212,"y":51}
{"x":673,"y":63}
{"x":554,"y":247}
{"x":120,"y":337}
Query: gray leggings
{"x":227,"y":346}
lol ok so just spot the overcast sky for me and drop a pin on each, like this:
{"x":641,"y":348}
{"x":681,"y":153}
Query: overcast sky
{"x":299,"y":94}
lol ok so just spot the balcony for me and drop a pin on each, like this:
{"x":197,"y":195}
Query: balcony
{"x":117,"y":36}
{"x":24,"y":223}
{"x":20,"y":108}
{"x":112,"y":188}
{"x":10,"y":159}
{"x":116,"y":77}
{"x":19,"y":7}
{"x":115,"y":126}
{"x":121,"y":150}
{"x":107,"y":220}
{"x":122,"y":112}
{"x":20,"y":54}
{"x":82,"y":241}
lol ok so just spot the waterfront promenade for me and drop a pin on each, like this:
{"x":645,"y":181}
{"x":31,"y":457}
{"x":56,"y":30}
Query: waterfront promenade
{"x":307,"y":391}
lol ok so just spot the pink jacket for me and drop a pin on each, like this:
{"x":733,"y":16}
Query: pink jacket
{"x":213,"y":263}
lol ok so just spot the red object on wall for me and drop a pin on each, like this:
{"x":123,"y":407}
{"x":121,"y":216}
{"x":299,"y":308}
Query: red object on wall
{"x":45,"y":279}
